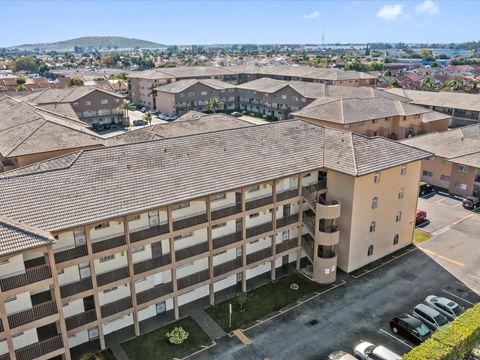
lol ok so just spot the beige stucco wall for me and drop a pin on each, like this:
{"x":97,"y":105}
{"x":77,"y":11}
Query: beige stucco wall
{"x":438,"y":167}
{"x":436,"y":126}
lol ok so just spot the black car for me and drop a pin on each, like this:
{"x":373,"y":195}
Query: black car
{"x":410,"y":328}
{"x":98,"y":127}
{"x":471,"y":202}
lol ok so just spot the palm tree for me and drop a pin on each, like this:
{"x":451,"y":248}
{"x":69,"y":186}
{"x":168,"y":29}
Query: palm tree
{"x":127,"y":105}
{"x":214,"y":104}
{"x":147,"y":117}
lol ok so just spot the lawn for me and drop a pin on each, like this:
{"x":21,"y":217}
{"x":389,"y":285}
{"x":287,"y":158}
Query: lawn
{"x":155,"y":345}
{"x":263,"y":301}
{"x":419,"y":236}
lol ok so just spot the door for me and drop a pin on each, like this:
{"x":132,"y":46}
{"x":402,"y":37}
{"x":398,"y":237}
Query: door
{"x":93,"y":333}
{"x":79,"y":238}
{"x":84,"y":271}
{"x":161,"y":307}
{"x":157,"y":249}
{"x":286,"y":210}
{"x":238,"y":225}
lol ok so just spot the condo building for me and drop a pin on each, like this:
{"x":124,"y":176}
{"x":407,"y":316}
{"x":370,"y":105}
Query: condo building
{"x":103,"y":239}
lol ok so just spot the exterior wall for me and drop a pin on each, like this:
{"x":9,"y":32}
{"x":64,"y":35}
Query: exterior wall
{"x":165,"y":102}
{"x":438,"y":167}
{"x":436,"y":126}
{"x":461,"y":183}
{"x":99,"y":106}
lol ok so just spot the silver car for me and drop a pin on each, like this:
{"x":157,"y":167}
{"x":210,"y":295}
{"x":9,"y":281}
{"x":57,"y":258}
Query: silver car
{"x":450,"y":309}
{"x":430,"y":317}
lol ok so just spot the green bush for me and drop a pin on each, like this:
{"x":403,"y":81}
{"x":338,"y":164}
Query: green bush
{"x":177,"y":336}
{"x":453,"y":342}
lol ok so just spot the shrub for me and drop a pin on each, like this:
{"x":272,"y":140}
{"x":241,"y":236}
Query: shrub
{"x":453,"y":342}
{"x":177,"y":336}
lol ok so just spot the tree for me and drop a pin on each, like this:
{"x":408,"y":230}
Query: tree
{"x":21,"y":80}
{"x":214,"y":104}
{"x":177,"y":336}
{"x":453,"y":85}
{"x":473,"y":85}
{"x":28,"y":64}
{"x":92,"y":356}
{"x":147,"y":117}
{"x":76,"y":82}
{"x":395,"y":84}
{"x":21,"y":87}
{"x":242,"y":300}
{"x":127,"y":106}
{"x":427,"y":84}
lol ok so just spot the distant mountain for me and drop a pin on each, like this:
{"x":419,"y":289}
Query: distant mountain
{"x":94,"y":42}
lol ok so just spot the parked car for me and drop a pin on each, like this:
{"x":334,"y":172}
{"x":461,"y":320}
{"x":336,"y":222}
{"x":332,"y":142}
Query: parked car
{"x":425,"y":189}
{"x":368,"y":351}
{"x":341,"y":355}
{"x":450,"y":309}
{"x":471,"y":202}
{"x":143,"y":109}
{"x":410,"y":328}
{"x":107,"y":126}
{"x":98,"y":127}
{"x":430,"y":317}
{"x":236,"y":114}
{"x":420,"y":217}
{"x":139,"y":122}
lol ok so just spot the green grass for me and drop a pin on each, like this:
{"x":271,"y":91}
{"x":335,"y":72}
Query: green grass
{"x":263,"y":301}
{"x":155,"y":345}
{"x":419,"y":236}
{"x":108,"y":355}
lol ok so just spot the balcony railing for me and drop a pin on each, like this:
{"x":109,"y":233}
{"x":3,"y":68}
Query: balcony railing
{"x":227,"y":266}
{"x":152,"y":263}
{"x":154,"y":293}
{"x":190,"y":221}
{"x":259,"y":229}
{"x":287,"y":194}
{"x":287,"y":220}
{"x":259,"y":255}
{"x":191,"y":251}
{"x":78,"y":320}
{"x":5,"y":356}
{"x":329,"y":229}
{"x":148,"y":233}
{"x":286,"y":245}
{"x":116,"y":306}
{"x":30,"y":276}
{"x":112,"y":276}
{"x":226,"y":211}
{"x":255,"y":203}
{"x":309,"y":222}
{"x":108,"y":244}
{"x":35,"y":313}
{"x":40,"y":348}
{"x":193,"y":279}
{"x":227,"y":239}
{"x":320,"y":185}
{"x":76,"y":287}
{"x":72,"y":253}
{"x":307,"y":245}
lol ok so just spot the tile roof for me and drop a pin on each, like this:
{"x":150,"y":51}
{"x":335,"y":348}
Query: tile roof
{"x":113,"y":181}
{"x":181,"y":72}
{"x":434,"y":116}
{"x":68,"y":95}
{"x":182,"y":85}
{"x":16,"y":237}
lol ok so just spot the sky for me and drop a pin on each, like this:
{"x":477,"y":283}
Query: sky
{"x":241,"y":21}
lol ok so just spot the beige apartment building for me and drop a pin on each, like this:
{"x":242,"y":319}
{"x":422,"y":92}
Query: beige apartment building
{"x":141,"y":84}
{"x":112,"y":259}
{"x":455,"y":167}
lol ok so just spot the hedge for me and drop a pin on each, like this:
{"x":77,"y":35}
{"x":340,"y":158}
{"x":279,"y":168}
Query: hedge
{"x":453,"y":342}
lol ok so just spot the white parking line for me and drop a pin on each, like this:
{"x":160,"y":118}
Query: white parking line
{"x":392,"y":336}
{"x":440,"y":231}
{"x":474,"y":277}
{"x":461,"y":284}
{"x":458,"y":297}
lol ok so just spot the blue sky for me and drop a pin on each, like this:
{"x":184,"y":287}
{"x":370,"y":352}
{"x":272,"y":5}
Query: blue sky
{"x":247,"y":21}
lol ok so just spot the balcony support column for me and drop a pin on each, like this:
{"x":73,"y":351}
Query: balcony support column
{"x":300,"y":220}
{"x":133,"y":292}
{"x":174,"y":265}
{"x":244,"y":244}
{"x":211,"y":289}
{"x":273,"y":268}
{"x":6,"y":328}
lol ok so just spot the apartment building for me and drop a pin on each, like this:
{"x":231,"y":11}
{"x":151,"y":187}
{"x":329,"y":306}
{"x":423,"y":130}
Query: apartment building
{"x":88,"y":104}
{"x":464,"y":108}
{"x":455,"y":166}
{"x":372,"y":117}
{"x":213,"y":211}
{"x":30,"y":133}
{"x":141,"y":84}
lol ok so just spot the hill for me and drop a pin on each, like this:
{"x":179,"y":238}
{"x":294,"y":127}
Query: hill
{"x":93,"y":42}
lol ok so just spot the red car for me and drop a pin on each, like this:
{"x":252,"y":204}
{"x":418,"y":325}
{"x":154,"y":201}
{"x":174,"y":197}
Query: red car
{"x":421,"y":216}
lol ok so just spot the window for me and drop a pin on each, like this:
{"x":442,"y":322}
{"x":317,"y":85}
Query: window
{"x":376,"y":178}
{"x":138,"y":249}
{"x":88,"y":103}
{"x":203,"y":93}
{"x":106,"y":258}
{"x":398,"y":217}
{"x":427,"y":173}
{"x":361,"y":123}
{"x":370,"y":250}
{"x":104,"y":101}
{"x":444,"y":177}
{"x":463,"y":168}
{"x":403,"y":171}
{"x":102,"y":226}
{"x":116,"y":100}
{"x":404,"y":118}
{"x":374,"y":202}
{"x":182,"y":205}
{"x":183,"y":236}
{"x":191,"y":93}
{"x":284,"y":97}
{"x":251,"y":216}
{"x":139,"y":280}
{"x":218,"y":226}
{"x":346,"y":126}
{"x":373,"y":225}
{"x":231,"y":90}
{"x":110,"y":290}
{"x":303,"y":100}
{"x":75,"y":103}
{"x":307,"y":175}
{"x":294,"y":98}
{"x":218,"y":197}
{"x":374,"y":121}
{"x":9,"y":298}
{"x":400,"y":194}
{"x":153,"y":218}
{"x":253,"y":188}
{"x":387,"y":119}
{"x":395,"y":239}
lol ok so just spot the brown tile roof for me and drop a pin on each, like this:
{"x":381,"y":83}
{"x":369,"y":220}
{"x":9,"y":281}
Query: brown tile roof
{"x":182,"y":85}
{"x":49,"y":96}
{"x":113,"y":181}
{"x":434,"y":116}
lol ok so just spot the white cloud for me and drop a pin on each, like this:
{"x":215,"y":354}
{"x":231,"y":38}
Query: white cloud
{"x":427,"y":7}
{"x":390,"y":12}
{"x":312,"y":15}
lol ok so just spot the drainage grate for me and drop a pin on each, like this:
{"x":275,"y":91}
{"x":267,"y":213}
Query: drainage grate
{"x":312,"y":322}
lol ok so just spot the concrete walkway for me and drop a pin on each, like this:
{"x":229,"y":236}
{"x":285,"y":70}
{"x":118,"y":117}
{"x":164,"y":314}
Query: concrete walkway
{"x":210,"y":326}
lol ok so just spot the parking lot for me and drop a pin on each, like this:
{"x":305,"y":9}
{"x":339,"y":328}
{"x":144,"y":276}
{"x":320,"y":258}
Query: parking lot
{"x":361,"y":308}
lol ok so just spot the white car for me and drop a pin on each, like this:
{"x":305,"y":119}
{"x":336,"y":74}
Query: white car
{"x":448,"y":308}
{"x":368,"y":351}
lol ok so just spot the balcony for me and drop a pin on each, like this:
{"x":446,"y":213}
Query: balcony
{"x":39,"y":349}
{"x":78,"y":320}
{"x":226,"y":211}
{"x":108,"y":244}
{"x":71,"y":253}
{"x":191,"y":251}
{"x":193,"y":279}
{"x":286,"y":245}
{"x":227,"y":266}
{"x":227,"y":239}
{"x":5,"y":356}
{"x":309,"y":221}
{"x":154,"y":293}
{"x":112,"y":276}
{"x":190,"y":221}
{"x":76,"y":287}
{"x":30,"y":276}
{"x":328,"y":209}
{"x":148,"y":233}
{"x":287,"y":220}
{"x":287,"y":194}
{"x":259,"y":229}
{"x":328,"y":235}
{"x":255,"y":203}
{"x":318,"y":186}
{"x":152,"y":263}
{"x":307,"y":245}
{"x":35,"y":313}
{"x":116,"y":306}
{"x":259,"y":255}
